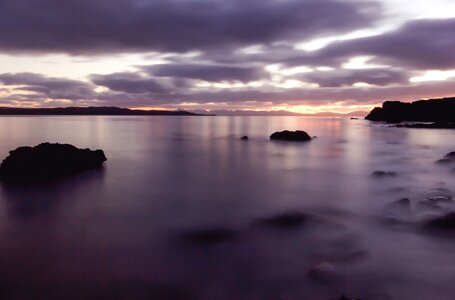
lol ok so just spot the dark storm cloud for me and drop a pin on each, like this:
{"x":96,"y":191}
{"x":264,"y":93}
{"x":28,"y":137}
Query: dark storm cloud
{"x":129,"y":83}
{"x":87,"y":26}
{"x":422,"y":44}
{"x":344,"y":77}
{"x":48,"y":87}
{"x":212,"y":73}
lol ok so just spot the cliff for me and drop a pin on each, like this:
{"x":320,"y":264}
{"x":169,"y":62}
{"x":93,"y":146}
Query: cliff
{"x":434,"y":110}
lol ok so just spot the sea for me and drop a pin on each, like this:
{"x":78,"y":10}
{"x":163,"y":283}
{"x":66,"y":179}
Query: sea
{"x":180,"y":210}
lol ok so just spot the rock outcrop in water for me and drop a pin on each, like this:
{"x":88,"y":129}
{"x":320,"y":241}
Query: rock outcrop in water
{"x":293,"y":136}
{"x":48,"y":161}
{"x":440,"y":111}
{"x":379,"y":173}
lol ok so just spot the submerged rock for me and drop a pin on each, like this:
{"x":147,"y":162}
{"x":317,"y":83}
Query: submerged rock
{"x":435,"y":125}
{"x":440,"y":199}
{"x":398,"y":212}
{"x":295,"y":136}
{"x":48,"y":161}
{"x":344,"y":297}
{"x":286,"y":220}
{"x":444,"y":161}
{"x":448,"y":158}
{"x":378,"y":173}
{"x":324,"y":272}
{"x":245,"y":138}
{"x":446,"y":222}
{"x":209,"y":237}
{"x":426,"y":206}
{"x":402,"y":206}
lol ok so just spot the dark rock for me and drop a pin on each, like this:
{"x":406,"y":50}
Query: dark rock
{"x":354,"y":118}
{"x":324,"y":272}
{"x":434,"y":125}
{"x":440,"y":199}
{"x":400,"y":207}
{"x":446,"y":222}
{"x":244,"y":138}
{"x":210,"y":237}
{"x":444,"y":161}
{"x":425,"y":205}
{"x":296,"y":136}
{"x":48,"y":161}
{"x":383,"y":173}
{"x":344,"y":297}
{"x":286,"y":220}
{"x":448,"y":158}
{"x":402,"y":203}
{"x":440,"y":111}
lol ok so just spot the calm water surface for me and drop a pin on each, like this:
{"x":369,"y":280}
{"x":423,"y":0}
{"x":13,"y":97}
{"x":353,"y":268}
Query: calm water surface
{"x":119,"y":233}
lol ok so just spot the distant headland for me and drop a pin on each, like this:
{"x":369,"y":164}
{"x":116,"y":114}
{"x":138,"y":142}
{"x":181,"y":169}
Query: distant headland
{"x":93,"y":111}
{"x":439,"y":111}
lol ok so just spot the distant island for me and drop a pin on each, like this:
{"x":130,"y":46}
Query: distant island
{"x":439,"y":111}
{"x":92,"y":111}
{"x":279,"y":113}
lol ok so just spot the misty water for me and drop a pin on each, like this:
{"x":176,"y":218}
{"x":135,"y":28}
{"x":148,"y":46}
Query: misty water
{"x":130,"y":230}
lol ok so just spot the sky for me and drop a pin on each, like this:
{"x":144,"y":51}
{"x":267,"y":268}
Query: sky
{"x":304,"y":56}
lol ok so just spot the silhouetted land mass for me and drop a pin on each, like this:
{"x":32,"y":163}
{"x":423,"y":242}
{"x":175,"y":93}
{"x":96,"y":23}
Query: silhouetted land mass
{"x":48,"y":161}
{"x":92,"y":111}
{"x":439,"y":111}
{"x":293,"y":136}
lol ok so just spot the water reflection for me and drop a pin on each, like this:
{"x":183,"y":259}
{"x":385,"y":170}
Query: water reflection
{"x":117,"y":233}
{"x":30,"y":200}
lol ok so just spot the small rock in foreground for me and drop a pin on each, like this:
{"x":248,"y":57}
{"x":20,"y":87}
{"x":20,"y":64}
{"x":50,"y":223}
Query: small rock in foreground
{"x":245,"y":138}
{"x":48,"y":161}
{"x":295,"y":136}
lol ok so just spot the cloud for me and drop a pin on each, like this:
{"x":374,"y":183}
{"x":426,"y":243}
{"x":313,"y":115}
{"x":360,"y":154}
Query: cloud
{"x":48,"y":87}
{"x":208,"y":72}
{"x":107,"y":26}
{"x":50,"y":91}
{"x":343,"y":77}
{"x":129,"y":83}
{"x":243,"y":50}
{"x":420,"y":44}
